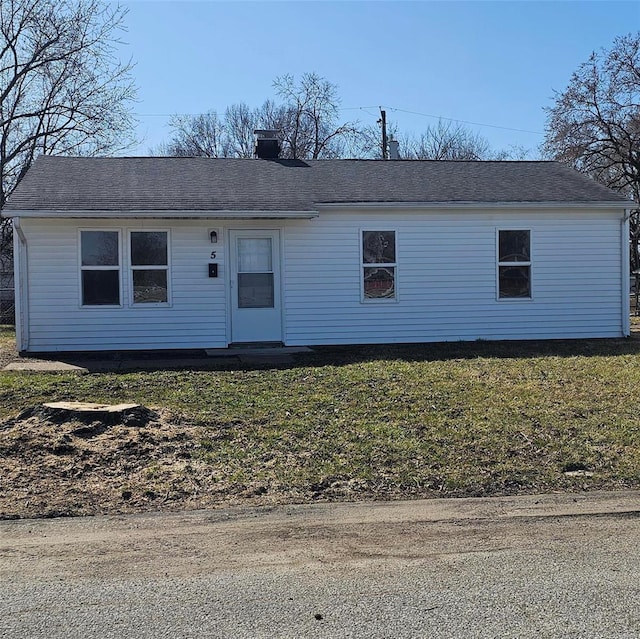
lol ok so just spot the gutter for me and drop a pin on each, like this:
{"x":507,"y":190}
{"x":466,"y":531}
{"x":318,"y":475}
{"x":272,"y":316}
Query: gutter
{"x":21,"y":284}
{"x":164,"y":214}
{"x":626,"y":275}
{"x":615,"y":204}
{"x":284,"y":214}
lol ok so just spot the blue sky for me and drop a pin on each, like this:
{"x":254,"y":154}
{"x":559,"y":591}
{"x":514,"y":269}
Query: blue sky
{"x":487,"y":63}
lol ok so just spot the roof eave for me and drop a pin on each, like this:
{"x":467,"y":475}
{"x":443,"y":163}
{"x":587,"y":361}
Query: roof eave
{"x":161,"y":214}
{"x":617,"y":204}
{"x":248,"y":214}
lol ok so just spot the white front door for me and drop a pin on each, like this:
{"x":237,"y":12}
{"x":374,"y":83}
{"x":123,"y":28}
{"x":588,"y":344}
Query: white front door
{"x":256,"y":313}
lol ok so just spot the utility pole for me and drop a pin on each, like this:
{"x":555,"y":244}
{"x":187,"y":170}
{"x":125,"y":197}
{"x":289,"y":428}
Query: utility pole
{"x":383,"y":122}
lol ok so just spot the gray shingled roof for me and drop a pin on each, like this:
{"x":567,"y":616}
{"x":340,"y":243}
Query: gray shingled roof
{"x":204,"y":184}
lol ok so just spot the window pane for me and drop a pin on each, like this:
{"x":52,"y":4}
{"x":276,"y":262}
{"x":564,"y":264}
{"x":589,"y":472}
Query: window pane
{"x":514,"y":246}
{"x":149,"y":248}
{"x":379,"y":282}
{"x":515,"y":281}
{"x":378,"y":247}
{"x":254,"y":255}
{"x":149,"y":286}
{"x":100,"y":287}
{"x":255,"y":290}
{"x":99,"y":248}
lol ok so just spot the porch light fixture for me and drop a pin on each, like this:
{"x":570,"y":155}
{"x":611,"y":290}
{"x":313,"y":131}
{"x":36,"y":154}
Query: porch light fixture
{"x":213,"y":236}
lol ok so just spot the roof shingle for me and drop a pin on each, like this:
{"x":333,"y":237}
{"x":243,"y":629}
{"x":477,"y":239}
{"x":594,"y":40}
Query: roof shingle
{"x":203,"y":184}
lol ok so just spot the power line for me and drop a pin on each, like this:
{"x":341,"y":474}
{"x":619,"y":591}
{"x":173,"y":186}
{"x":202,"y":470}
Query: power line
{"x":492,"y":126}
{"x":442,"y":117}
{"x":365,"y":110}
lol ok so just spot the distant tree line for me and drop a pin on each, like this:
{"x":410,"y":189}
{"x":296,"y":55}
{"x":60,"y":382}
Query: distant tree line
{"x":306,"y":113}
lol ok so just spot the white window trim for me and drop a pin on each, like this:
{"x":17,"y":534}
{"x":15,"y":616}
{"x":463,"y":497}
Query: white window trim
{"x":362,"y":266}
{"x":511,"y":300}
{"x":82,"y":268}
{"x":131,"y":268}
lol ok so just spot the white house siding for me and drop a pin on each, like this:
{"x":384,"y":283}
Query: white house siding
{"x":446,"y":281}
{"x":447,"y":277}
{"x":197,"y":314}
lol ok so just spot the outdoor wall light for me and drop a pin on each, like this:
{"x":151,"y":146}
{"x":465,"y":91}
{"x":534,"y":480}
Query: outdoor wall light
{"x":213,"y":235}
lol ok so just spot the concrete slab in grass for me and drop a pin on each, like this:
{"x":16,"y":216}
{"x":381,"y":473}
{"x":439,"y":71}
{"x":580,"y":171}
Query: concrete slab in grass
{"x":27,"y":366}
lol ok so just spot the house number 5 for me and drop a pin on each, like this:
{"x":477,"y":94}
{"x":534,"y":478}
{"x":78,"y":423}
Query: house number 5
{"x":213,"y":255}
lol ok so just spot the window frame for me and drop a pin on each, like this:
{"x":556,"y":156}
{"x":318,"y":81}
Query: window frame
{"x":528,"y":264}
{"x":363,"y":265}
{"x":148,"y":267}
{"x":82,"y":268}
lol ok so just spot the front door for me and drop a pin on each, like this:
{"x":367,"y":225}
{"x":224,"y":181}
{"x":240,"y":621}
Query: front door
{"x":256,"y":313}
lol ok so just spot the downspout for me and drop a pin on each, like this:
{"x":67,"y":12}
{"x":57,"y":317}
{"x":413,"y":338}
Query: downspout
{"x":626,"y":275}
{"x":21,"y":283}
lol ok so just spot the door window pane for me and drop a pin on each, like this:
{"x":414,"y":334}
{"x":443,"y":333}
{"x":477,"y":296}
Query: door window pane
{"x":99,"y":248}
{"x":100,"y":287}
{"x":149,"y":286}
{"x":254,"y":255}
{"x":255,"y":290}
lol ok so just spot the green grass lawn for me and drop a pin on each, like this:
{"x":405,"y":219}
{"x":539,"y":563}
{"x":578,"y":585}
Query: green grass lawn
{"x":453,"y":419}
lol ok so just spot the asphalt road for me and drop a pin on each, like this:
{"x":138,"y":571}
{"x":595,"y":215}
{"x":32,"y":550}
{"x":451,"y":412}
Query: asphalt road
{"x":554,"y":566}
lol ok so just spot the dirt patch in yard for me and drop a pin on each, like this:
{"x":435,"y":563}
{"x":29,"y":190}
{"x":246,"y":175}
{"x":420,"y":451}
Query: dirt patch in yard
{"x":57,"y":465}
{"x":54,"y":465}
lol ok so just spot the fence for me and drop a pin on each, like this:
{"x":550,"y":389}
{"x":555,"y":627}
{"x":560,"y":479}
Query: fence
{"x":7,"y":298}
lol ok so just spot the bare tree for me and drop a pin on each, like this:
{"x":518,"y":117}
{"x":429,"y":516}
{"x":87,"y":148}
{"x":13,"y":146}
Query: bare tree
{"x":208,"y":135}
{"x":447,"y":141}
{"x":201,"y":135}
{"x":594,"y":124}
{"x":368,"y":141}
{"x":240,"y":123}
{"x":312,"y":128}
{"x":306,"y":119}
{"x":62,"y":89}
{"x":514,"y":152}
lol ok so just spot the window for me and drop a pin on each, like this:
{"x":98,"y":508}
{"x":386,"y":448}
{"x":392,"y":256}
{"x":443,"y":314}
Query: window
{"x":100,"y":268}
{"x":514,"y":264}
{"x":379,"y":265}
{"x":149,"y":267}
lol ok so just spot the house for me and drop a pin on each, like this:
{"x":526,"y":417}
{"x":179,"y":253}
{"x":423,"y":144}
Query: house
{"x":157,"y":252}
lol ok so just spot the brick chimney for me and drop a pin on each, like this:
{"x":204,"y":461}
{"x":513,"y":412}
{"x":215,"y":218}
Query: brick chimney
{"x":267,"y":144}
